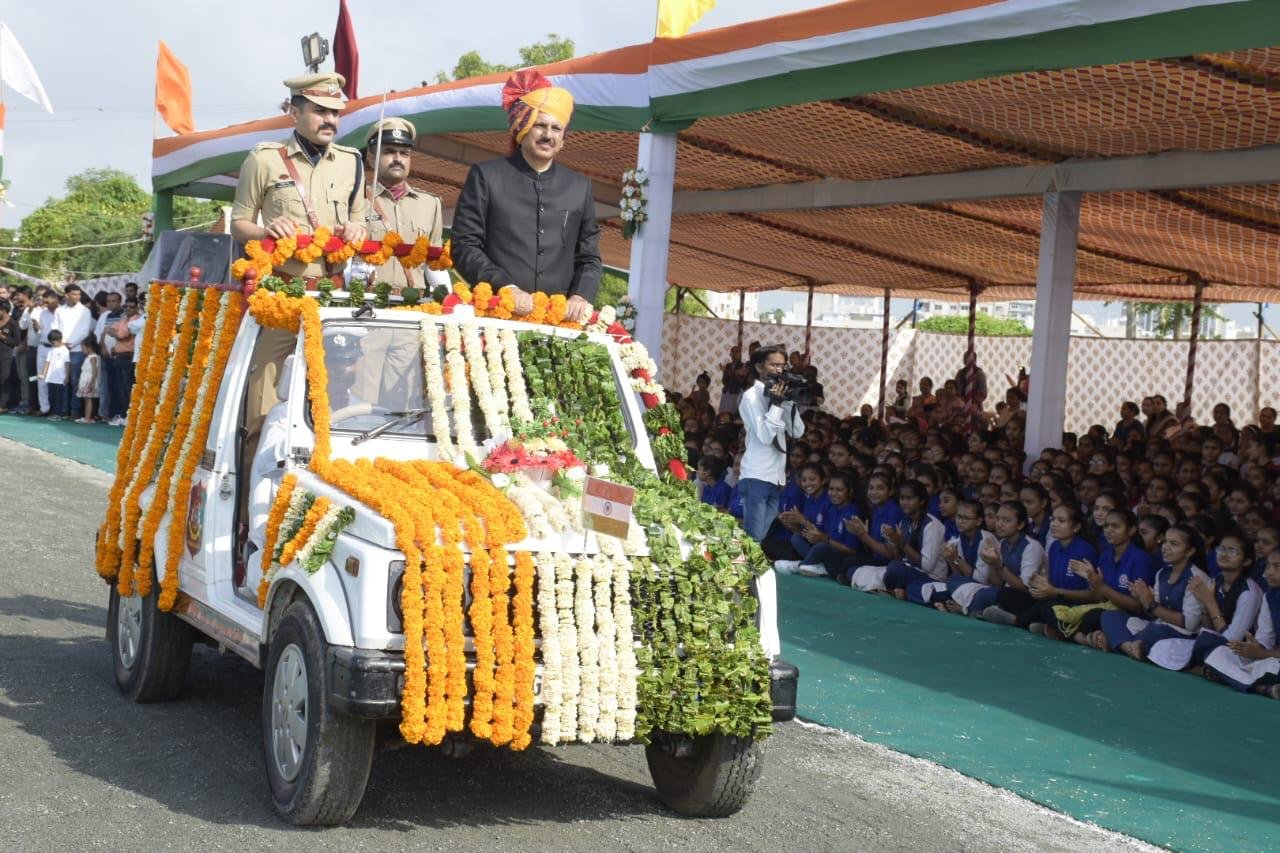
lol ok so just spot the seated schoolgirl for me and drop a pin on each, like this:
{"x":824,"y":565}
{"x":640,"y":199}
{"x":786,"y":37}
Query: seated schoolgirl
{"x":1230,"y":601}
{"x":961,"y":554}
{"x":884,"y":513}
{"x":827,"y":548}
{"x":712,"y":487}
{"x":1036,"y":499}
{"x":914,"y":546}
{"x":1012,"y":566}
{"x":1253,"y":663}
{"x":1121,"y":563}
{"x":1060,"y":587}
{"x":794,"y":506}
{"x":947,"y":500}
{"x":1169,"y":609}
{"x":1266,"y":543}
{"x":1103,"y":505}
{"x":1151,"y":531}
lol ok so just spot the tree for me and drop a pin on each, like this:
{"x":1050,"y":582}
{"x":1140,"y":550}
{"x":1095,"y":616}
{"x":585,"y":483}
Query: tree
{"x":471,"y":64}
{"x":774,"y":316}
{"x":1168,"y":319}
{"x":984,"y":325}
{"x":615,"y":285}
{"x":102,"y":207}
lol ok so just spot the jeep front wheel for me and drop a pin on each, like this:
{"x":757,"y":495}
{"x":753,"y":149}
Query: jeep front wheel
{"x":708,"y":776}
{"x":317,"y":759}
{"x":150,"y":649}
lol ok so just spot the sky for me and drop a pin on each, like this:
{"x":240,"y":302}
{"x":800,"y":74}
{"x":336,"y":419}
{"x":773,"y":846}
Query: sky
{"x":97,"y":62}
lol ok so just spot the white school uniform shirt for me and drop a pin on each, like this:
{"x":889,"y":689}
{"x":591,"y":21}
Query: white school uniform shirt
{"x":931,"y":561}
{"x":981,"y":570}
{"x":764,"y":456}
{"x":43,"y":317}
{"x":75,"y":322}
{"x":1243,"y":669}
{"x":56,"y":363}
{"x":1175,"y":654}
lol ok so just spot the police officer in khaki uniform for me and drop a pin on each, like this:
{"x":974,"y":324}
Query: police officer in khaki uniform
{"x":306,"y":181}
{"x":397,"y":206}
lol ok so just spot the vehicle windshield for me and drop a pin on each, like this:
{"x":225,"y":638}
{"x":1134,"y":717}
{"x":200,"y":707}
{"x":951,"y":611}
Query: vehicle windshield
{"x":375,"y":380}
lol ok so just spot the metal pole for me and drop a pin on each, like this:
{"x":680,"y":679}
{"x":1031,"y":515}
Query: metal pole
{"x":742,"y":311}
{"x":973,"y":314}
{"x":1257,"y":366}
{"x":808,"y":324}
{"x":884,"y":355}
{"x":1195,"y":340}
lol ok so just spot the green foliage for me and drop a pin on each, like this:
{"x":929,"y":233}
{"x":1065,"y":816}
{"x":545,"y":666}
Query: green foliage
{"x":701,"y":667}
{"x":614,"y":286}
{"x":1173,"y":319}
{"x":471,"y":64}
{"x":100,"y":206}
{"x":985,"y":326}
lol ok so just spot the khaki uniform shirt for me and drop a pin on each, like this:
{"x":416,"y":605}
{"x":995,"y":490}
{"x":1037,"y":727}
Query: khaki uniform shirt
{"x":416,"y":213}
{"x":335,"y":190}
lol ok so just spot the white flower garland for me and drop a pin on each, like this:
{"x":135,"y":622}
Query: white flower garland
{"x":568,"y":647}
{"x":602,"y":576}
{"x":292,"y":520}
{"x":588,"y":653}
{"x":460,"y":396}
{"x":326,"y":523}
{"x":479,"y":372}
{"x":515,"y":376}
{"x":552,"y":665}
{"x":433,"y":378}
{"x":604,"y":319}
{"x":624,"y":648}
{"x":497,"y":376}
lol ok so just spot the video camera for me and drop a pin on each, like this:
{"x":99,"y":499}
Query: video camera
{"x":796,"y":389}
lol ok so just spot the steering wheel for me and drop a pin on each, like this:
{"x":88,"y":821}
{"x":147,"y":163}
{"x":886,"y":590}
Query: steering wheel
{"x":357,"y":410}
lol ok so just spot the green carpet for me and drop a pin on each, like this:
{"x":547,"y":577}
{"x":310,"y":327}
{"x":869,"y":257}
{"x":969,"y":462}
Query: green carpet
{"x":1165,"y":757}
{"x":91,"y":444}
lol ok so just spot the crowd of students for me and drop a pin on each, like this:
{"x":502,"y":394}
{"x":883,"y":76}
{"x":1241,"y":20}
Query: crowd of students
{"x":64,"y":356}
{"x":1158,"y":539}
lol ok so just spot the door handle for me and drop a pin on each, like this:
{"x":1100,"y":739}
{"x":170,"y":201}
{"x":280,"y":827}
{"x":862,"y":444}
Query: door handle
{"x":225,"y":489}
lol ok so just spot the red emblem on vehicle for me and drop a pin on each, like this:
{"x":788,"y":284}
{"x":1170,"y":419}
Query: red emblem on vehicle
{"x":195,"y":518}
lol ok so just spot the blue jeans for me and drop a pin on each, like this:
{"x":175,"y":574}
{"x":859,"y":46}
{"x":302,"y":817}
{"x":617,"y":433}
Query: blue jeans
{"x":759,"y":506}
{"x":59,"y":402}
{"x":73,"y":380}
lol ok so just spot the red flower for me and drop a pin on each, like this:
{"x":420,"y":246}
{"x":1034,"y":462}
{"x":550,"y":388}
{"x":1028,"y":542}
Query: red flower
{"x":449,"y":303}
{"x":677,"y":469}
{"x":650,"y":400}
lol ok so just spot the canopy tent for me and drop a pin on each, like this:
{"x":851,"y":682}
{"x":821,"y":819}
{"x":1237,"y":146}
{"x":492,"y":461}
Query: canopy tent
{"x":948,"y":149}
{"x":786,"y":165}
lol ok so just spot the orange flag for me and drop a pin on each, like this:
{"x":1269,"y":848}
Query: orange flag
{"x":173,"y":92}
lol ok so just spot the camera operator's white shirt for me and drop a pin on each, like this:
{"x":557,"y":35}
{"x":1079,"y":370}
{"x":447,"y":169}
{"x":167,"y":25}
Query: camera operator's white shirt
{"x":762,"y":459}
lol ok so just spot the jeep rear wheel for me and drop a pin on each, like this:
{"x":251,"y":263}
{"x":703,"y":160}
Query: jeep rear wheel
{"x":151,"y":650}
{"x":318,"y":760}
{"x":709,"y":776}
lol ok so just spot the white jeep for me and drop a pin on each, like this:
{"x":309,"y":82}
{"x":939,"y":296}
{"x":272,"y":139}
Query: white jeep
{"x":330,"y":641}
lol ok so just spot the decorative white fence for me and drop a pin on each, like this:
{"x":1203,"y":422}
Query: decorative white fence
{"x":1101,"y":372}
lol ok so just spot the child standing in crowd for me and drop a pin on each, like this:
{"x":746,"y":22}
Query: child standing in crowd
{"x":90,"y":374}
{"x":54,"y":376}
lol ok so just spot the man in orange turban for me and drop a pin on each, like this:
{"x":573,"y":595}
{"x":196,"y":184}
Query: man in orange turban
{"x":525,"y":221}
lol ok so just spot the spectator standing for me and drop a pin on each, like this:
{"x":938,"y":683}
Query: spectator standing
{"x":26,"y":350}
{"x":108,"y":317}
{"x":119,"y":351}
{"x":40,"y":324}
{"x":769,"y":421}
{"x":90,"y":378}
{"x":75,"y":321}
{"x":54,"y":375}
{"x":10,"y":338}
{"x":735,"y":378}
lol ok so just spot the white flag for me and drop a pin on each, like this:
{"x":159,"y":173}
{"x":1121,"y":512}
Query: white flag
{"x":16,"y":70}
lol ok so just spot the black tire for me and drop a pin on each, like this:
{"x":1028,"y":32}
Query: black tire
{"x":714,"y":779}
{"x":150,"y":649}
{"x":321,"y":781}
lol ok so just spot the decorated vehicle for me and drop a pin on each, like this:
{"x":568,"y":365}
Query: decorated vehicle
{"x":432,"y":513}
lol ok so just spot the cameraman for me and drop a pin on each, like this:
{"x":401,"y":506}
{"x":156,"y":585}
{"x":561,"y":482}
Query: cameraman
{"x":769,"y":417}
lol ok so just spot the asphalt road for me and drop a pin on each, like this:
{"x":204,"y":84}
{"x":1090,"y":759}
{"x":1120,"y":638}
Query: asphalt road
{"x":82,"y":768}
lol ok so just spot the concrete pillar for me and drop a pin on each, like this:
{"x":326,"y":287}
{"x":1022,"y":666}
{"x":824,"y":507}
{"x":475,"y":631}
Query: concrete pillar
{"x":1055,"y":287}
{"x":649,"y":248}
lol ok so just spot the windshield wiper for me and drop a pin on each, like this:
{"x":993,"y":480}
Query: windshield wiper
{"x":398,"y":419}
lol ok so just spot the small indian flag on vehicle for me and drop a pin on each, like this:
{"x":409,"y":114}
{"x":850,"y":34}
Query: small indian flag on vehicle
{"x":607,"y":507}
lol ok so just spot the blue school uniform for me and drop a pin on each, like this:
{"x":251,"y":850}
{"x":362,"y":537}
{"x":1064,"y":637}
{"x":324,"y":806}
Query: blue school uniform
{"x":1011,"y":556}
{"x":716,"y":494}
{"x":1060,"y":557}
{"x":833,"y":524}
{"x":1115,"y":623}
{"x":950,"y":531}
{"x":886,"y":513}
{"x":816,"y":507}
{"x":1211,"y":563}
{"x":1041,"y":533}
{"x":735,"y":503}
{"x":1134,"y":564}
{"x":792,"y":497}
{"x":935,"y":507}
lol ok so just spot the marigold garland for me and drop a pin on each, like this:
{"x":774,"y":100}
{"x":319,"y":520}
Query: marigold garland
{"x":266,"y":254}
{"x":524,"y":649}
{"x":309,"y":524}
{"x":157,"y":438}
{"x":165,"y":494}
{"x":481,"y":613}
{"x":503,"y":648}
{"x":283,"y":494}
{"x":165,"y":299}
{"x":201,"y":424}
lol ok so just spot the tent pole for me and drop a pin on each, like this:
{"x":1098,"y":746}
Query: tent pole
{"x":973,"y":314}
{"x":884,"y":356}
{"x":742,"y":311}
{"x":650,"y":248}
{"x":1257,"y":365}
{"x":808,"y":324}
{"x":1194,"y":278}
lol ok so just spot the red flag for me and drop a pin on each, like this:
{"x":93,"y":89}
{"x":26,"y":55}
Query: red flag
{"x":346,"y":54}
